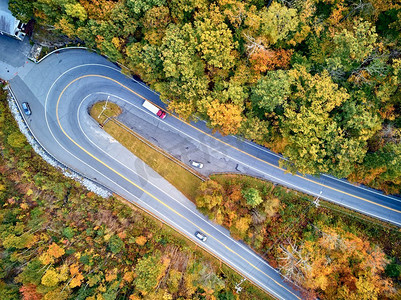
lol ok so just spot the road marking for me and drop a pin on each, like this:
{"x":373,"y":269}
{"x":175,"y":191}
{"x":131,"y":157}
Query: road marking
{"x":150,"y":114}
{"x":139,"y":175}
{"x":279,"y":168}
{"x":91,"y":166}
{"x":262,"y":285}
{"x":243,"y":152}
{"x":140,"y":188}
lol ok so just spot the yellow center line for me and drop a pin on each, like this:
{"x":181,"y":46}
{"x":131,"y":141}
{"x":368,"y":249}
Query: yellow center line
{"x":279,"y":168}
{"x":250,"y":155}
{"x":140,"y":188}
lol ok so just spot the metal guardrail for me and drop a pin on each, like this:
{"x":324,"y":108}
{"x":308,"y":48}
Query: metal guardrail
{"x":63,"y":166}
{"x":57,"y":162}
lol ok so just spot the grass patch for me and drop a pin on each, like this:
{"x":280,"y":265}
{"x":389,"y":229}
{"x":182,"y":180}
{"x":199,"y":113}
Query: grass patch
{"x":168,"y":167}
{"x":101,"y":113}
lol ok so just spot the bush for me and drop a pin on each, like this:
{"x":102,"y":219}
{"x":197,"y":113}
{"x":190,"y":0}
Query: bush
{"x":115,"y":244}
{"x":393,"y":270}
{"x":252,"y":197}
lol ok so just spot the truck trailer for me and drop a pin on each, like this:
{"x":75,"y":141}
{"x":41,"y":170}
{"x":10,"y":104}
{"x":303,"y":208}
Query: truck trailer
{"x":154,"y":109}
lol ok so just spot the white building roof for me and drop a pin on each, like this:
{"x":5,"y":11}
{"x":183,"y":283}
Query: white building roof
{"x":8,"y":23}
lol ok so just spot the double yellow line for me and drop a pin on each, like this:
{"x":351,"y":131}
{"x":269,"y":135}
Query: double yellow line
{"x":250,"y":155}
{"x":140,"y":188}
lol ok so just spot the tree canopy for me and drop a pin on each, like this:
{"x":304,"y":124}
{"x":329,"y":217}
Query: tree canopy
{"x":315,"y":80}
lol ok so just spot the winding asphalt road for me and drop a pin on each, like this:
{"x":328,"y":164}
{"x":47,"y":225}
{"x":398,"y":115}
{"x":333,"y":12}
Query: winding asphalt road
{"x":62,"y":87}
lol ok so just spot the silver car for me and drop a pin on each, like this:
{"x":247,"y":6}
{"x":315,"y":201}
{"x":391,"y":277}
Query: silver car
{"x":201,"y":236}
{"x":196,"y":164}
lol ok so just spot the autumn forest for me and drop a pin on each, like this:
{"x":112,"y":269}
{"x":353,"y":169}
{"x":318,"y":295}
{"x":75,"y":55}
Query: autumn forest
{"x":318,"y":81}
{"x":315,"y":80}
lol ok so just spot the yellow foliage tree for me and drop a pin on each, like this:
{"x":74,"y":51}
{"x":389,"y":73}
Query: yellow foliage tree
{"x":45,"y":258}
{"x":225,"y":117}
{"x":183,"y":109}
{"x":76,"y":281}
{"x":50,"y":278}
{"x":128,"y":276}
{"x":111,"y":275}
{"x":241,"y":226}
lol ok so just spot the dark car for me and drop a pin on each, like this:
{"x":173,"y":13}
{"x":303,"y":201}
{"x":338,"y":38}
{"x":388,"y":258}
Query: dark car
{"x":26,"y":108}
{"x":201,"y":236}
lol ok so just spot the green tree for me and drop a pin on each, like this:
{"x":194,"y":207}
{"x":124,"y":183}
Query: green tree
{"x":185,"y":81}
{"x":21,"y":9}
{"x":76,"y":10}
{"x":32,"y":273}
{"x":393,"y":270}
{"x":317,"y":142}
{"x":211,"y":195}
{"x":148,"y":271}
{"x":138,"y":6}
{"x":215,"y":43}
{"x":351,"y":48}
{"x":51,"y":11}
{"x":272,"y":24}
{"x":9,"y":291}
{"x":255,"y":129}
{"x":146,"y":61}
{"x":157,"y":17}
{"x":123,"y":20}
{"x":388,"y":159}
{"x":16,"y":140}
{"x":116,"y":244}
{"x":252,"y":197}
{"x":182,"y":10}
{"x":233,"y":92}
{"x":272,"y":90}
{"x":389,"y":91}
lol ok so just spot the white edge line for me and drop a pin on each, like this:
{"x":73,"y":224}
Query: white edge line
{"x":119,"y":185}
{"x":183,"y":205}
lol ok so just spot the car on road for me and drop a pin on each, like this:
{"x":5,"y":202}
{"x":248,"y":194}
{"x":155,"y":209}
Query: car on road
{"x":201,"y":236}
{"x":196,"y":164}
{"x":26,"y":108}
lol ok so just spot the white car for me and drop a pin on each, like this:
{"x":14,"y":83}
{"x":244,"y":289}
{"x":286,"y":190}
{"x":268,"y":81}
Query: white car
{"x":196,"y":164}
{"x":201,"y":236}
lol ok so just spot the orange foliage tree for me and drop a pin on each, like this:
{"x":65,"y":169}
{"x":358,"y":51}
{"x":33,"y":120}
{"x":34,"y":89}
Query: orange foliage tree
{"x":29,"y":292}
{"x":337,"y":265}
{"x":263,"y":60}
